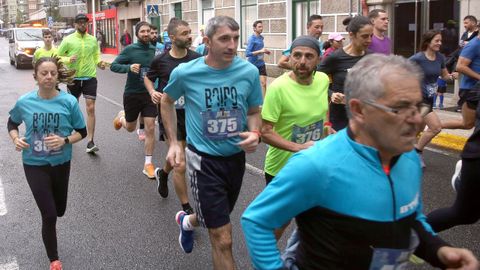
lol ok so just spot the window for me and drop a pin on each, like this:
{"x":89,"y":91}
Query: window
{"x":302,"y":9}
{"x":207,"y":11}
{"x":177,"y":10}
{"x":248,"y":15}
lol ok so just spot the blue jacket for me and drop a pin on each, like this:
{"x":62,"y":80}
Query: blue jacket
{"x":255,"y":43}
{"x":345,"y":206}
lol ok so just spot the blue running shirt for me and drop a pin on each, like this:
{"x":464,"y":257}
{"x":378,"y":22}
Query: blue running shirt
{"x":59,"y":115}
{"x":216,"y":102}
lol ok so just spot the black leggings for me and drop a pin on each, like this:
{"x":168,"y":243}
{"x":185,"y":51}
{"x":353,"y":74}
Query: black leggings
{"x":466,"y":208}
{"x":49,"y":185}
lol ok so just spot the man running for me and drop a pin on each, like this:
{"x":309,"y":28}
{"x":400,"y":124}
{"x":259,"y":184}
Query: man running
{"x":161,"y":68}
{"x":255,"y":52}
{"x":314,"y":29}
{"x":83,"y":55}
{"x":135,"y":60}
{"x":48,"y":50}
{"x":222,"y":109}
{"x":356,"y":195}
{"x":380,"y":42}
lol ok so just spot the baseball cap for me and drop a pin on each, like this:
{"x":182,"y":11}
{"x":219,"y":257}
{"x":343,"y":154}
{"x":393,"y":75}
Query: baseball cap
{"x":335,"y":36}
{"x":81,"y":16}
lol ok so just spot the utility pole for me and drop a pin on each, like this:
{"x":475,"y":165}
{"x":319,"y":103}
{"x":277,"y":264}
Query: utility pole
{"x":94,"y":28}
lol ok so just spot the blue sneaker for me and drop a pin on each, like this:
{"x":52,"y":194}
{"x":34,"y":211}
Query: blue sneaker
{"x":186,"y":237}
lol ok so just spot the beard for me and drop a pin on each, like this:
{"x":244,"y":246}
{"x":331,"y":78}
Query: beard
{"x":153,"y":41}
{"x":183,"y":44}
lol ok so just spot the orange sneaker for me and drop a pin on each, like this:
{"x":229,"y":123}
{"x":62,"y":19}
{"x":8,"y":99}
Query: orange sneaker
{"x":149,"y":170}
{"x":117,"y":124}
{"x":56,"y":265}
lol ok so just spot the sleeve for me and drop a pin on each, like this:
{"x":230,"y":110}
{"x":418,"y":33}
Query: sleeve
{"x":63,"y":48}
{"x":175,"y":87}
{"x":200,"y":49}
{"x":249,"y":49}
{"x":121,"y":64}
{"x":96,"y":55}
{"x":154,"y":70}
{"x":328,"y":64}
{"x":36,"y":55}
{"x":278,"y":203}
{"x":430,"y":242}
{"x":15,"y":113}
{"x":287,"y":51}
{"x":77,"y":117}
{"x":272,"y":105}
{"x":469,"y":51}
{"x":442,"y":61}
{"x":255,"y":97}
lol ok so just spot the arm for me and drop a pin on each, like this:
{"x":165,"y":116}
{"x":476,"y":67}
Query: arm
{"x":169,"y":118}
{"x":17,"y":141}
{"x":156,"y":96}
{"x":274,"y":139}
{"x":249,"y":52}
{"x":251,"y":138}
{"x":121,"y":64}
{"x":62,"y":53}
{"x":284,"y":62}
{"x":463,"y":67}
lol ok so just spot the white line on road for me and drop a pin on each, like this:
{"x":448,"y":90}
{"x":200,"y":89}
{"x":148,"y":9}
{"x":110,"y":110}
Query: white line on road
{"x":3,"y":206}
{"x":12,"y":265}
{"x":110,"y":100}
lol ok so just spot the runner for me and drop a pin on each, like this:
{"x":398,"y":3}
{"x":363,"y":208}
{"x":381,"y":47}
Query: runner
{"x":255,"y":52}
{"x":290,"y":124}
{"x":432,"y":64}
{"x":222,"y":109}
{"x":50,"y":117}
{"x":356,"y":195}
{"x":48,"y":50}
{"x":161,"y":68}
{"x":83,"y":55}
{"x":335,"y":41}
{"x":314,"y":29}
{"x":135,"y":60}
{"x":339,"y":62}
{"x":380,"y":42}
{"x":465,"y":181}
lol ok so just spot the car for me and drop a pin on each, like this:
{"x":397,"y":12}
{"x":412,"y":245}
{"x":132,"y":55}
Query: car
{"x":22,"y":43}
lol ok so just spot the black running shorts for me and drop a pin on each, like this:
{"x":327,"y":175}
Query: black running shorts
{"x":181,"y":128}
{"x":86,"y":87}
{"x":470,"y":96}
{"x":215,"y":183}
{"x":139,"y":103}
{"x":262,"y":70}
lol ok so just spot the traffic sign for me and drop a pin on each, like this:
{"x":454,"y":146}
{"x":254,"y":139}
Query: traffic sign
{"x":152,"y":10}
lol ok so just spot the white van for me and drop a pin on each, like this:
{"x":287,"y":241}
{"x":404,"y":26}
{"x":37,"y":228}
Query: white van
{"x":22,"y":43}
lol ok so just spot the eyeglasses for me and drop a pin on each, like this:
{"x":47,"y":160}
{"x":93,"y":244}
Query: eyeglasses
{"x":406,"y":111}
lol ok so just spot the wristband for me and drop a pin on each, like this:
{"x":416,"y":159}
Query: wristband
{"x":259,"y":134}
{"x":327,"y":124}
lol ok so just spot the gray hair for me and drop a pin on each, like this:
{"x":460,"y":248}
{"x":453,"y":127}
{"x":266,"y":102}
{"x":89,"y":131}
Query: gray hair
{"x":366,"y":80}
{"x":219,"y":21}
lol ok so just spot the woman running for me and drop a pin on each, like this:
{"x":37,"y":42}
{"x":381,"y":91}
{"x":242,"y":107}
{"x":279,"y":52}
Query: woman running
{"x":432,"y":63}
{"x":337,"y":64}
{"x":53,"y":122}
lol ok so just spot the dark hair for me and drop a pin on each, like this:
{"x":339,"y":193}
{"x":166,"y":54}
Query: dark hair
{"x":374,"y":13}
{"x":312,"y":18}
{"x":153,"y":27}
{"x":471,"y":18}
{"x":427,"y":38}
{"x":219,"y":21}
{"x":256,"y":22}
{"x":139,"y":25}
{"x":327,"y":44}
{"x":354,"y":24}
{"x":46,"y":32}
{"x":174,"y":24}
{"x":65,"y":75}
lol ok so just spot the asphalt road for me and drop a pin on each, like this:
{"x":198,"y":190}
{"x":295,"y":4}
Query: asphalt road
{"x":115,"y":219}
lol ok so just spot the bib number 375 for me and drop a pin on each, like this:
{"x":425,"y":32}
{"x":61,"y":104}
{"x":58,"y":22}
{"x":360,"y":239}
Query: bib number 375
{"x":221,"y":124}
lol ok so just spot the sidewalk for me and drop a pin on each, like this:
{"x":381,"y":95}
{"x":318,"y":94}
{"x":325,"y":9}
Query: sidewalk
{"x":453,"y":139}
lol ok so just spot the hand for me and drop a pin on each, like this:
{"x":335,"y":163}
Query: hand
{"x":338,"y":98}
{"x":20,"y":144}
{"x":454,"y":75}
{"x":266,"y":51}
{"x":135,"y":68}
{"x":305,"y":145}
{"x":250,"y":142}
{"x":54,"y":141}
{"x":102,"y":65}
{"x":458,"y":258}
{"x":73,"y":58}
{"x":175,"y":155}
{"x":156,"y":97}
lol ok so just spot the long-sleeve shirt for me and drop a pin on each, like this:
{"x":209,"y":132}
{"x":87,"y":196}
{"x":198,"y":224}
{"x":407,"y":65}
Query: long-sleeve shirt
{"x":255,"y":43}
{"x":85,"y":47}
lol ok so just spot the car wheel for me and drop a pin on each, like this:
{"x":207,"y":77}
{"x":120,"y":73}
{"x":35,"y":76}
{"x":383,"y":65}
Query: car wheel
{"x":17,"y":65}
{"x":12,"y":62}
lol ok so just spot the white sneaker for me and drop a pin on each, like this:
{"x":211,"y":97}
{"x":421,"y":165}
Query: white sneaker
{"x":456,"y":176}
{"x":141,"y":135}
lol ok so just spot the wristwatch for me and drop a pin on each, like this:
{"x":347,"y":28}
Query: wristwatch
{"x":66,"y":140}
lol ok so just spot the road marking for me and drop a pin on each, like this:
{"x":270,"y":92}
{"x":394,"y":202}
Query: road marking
{"x":3,"y":62}
{"x":12,"y":265}
{"x":110,"y":100}
{"x":3,"y":206}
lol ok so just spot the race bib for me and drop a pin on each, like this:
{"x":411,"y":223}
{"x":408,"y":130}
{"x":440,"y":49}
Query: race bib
{"x":431,"y":89}
{"x":40,"y":149}
{"x":143,"y":72}
{"x":222,"y":124}
{"x":394,"y":259}
{"x":312,"y":132}
{"x":180,"y":103}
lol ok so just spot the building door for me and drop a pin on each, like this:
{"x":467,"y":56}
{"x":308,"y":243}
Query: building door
{"x":302,"y":9}
{"x":177,"y":10}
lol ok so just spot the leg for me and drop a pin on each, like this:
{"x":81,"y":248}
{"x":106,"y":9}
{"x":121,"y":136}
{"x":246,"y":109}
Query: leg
{"x":467,"y":122}
{"x":221,"y":241}
{"x":90,"y":107}
{"x":149,"y":135}
{"x":434,"y":127}
{"x":60,"y":187}
{"x":179,"y":178}
{"x":40,"y":182}
{"x":263,"y":83}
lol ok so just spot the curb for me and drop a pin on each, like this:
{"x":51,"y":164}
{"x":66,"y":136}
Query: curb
{"x":449,"y":141}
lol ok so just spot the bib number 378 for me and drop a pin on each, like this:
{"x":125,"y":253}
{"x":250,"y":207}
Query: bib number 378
{"x":222,"y":124}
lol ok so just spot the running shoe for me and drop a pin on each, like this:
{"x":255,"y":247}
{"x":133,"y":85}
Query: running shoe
{"x":186,"y":237}
{"x":422,"y":161}
{"x":141,"y":135}
{"x":189,"y":211}
{"x":117,"y":124}
{"x":56,"y":265}
{"x":440,"y":106}
{"x":149,"y":170}
{"x":456,"y":176}
{"x":162,"y":179}
{"x":91,"y":147}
